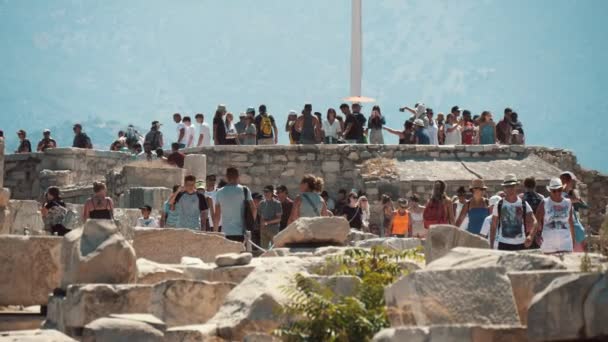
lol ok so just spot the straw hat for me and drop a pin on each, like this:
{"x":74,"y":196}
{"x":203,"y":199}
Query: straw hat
{"x":555,"y":184}
{"x":478,"y":184}
{"x":510,"y":179}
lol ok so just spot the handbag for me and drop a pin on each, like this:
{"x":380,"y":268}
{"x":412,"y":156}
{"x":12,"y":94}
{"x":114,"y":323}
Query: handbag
{"x":248,"y":218}
{"x":579,"y":231}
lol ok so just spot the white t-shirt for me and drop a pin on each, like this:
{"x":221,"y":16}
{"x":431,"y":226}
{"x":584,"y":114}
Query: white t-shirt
{"x":331,"y":130}
{"x":465,"y":223}
{"x":190,"y":133}
{"x":148,"y":223}
{"x":485,"y":230}
{"x":511,"y":226}
{"x":433,"y":130}
{"x":454,"y":137}
{"x":205,"y":130}
{"x":212,"y":195}
{"x":556,"y":226}
{"x":178,"y":128}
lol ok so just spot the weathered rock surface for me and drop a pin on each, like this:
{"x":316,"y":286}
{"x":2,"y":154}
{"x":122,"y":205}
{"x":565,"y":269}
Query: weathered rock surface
{"x":30,"y":268}
{"x":314,"y":230}
{"x":210,"y":272}
{"x":442,"y":238}
{"x":261,"y":338}
{"x":138,"y":197}
{"x":556,"y":313}
{"x":526,"y":284}
{"x":398,"y":244}
{"x":459,"y":296}
{"x":595,"y":309}
{"x":341,"y":285}
{"x":233,"y":259}
{"x":176,"y":302}
{"x":149,"y":272}
{"x":355,"y":235}
{"x":97,"y":253}
{"x":117,"y":329}
{"x":146,"y":318}
{"x":37,"y":335}
{"x":168,"y":246}
{"x":461,"y":257}
{"x":5,"y":196}
{"x":451,"y":333}
{"x":25,"y":215}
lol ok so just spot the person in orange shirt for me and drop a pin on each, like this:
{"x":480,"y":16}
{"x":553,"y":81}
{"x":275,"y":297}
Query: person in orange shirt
{"x":401,"y":222}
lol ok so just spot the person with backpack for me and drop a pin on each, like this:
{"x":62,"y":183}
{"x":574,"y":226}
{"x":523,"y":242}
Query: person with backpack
{"x":266,"y":127}
{"x":309,"y":203}
{"x":132,"y":137}
{"x":234,"y":207}
{"x":401,"y":221}
{"x":81,"y":139}
{"x":475,"y":209}
{"x":154,"y":138}
{"x":54,"y":212}
{"x":534,"y":199}
{"x":555,"y":214}
{"x":439,"y":208}
{"x":192,"y":206}
{"x":308,"y":126}
{"x":510,"y":218}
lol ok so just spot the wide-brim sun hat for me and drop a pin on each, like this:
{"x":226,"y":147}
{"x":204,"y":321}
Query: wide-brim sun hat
{"x":555,"y":184}
{"x":509,"y":180}
{"x":478,"y":184}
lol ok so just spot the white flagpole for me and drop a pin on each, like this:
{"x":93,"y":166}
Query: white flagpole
{"x":356,"y":47}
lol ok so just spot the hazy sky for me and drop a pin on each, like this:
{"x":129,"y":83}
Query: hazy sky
{"x":141,"y":60}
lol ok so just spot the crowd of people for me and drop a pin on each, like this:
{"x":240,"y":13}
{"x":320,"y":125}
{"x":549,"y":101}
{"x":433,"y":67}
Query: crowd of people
{"x":512,"y":219}
{"x":351,"y":126}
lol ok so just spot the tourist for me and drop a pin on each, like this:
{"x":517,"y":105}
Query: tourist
{"x":374,"y":126}
{"x":417,"y":216}
{"x":231,"y":133}
{"x":331,"y":204}
{"x":557,"y":220}
{"x":54,"y":212}
{"x":487,"y":129}
{"x":504,"y":128}
{"x":256,"y":235}
{"x":119,"y":146}
{"x":286,"y":205}
{"x":146,"y":220}
{"x":341,"y":202}
{"x":363,"y":203}
{"x":290,"y":127}
{"x":432,"y":129}
{"x":181,"y":130}
{"x":219,"y":128}
{"x":516,"y":138}
{"x":519,"y":127}
{"x":99,"y":206}
{"x":476,"y":209}
{"x":170,"y":217}
{"x":534,"y":199}
{"x":309,"y":203}
{"x":148,"y":154}
{"x":249,"y":137}
{"x":192,"y":207}
{"x":571,"y":192}
{"x":190,"y":132}
{"x":203,"y":131}
{"x":453,"y":135}
{"x":460,"y":200}
{"x":441,"y":128}
{"x":211,"y":193}
{"x":438,"y":209}
{"x":511,"y":216}
{"x":352,"y":212}
{"x":353,"y":130}
{"x":160,"y":155}
{"x":387,"y":214}
{"x":401,"y":221}
{"x":230,"y":207}
{"x":46,"y":142}
{"x":356,"y":109}
{"x":468,"y":128}
{"x":266,"y":127}
{"x":81,"y":139}
{"x":137,"y":151}
{"x":456,"y":111}
{"x":24,"y":144}
{"x":487,"y":222}
{"x":176,"y":157}
{"x":420,"y":133}
{"x":407,"y":136}
{"x":240,"y":127}
{"x":419,"y":112}
{"x":270,"y":211}
{"x":332,"y":128}
{"x":154,"y":137}
{"x":308,"y":126}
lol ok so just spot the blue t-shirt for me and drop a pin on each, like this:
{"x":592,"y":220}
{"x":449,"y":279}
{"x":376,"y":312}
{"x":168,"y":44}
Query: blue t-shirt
{"x":423,"y":137}
{"x":172,"y":216}
{"x":230,"y":199}
{"x":189,"y":209}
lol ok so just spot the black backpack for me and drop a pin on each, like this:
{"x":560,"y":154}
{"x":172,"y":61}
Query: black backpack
{"x":533,"y":199}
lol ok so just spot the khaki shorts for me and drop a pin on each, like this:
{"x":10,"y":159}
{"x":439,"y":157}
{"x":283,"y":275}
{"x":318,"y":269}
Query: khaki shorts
{"x":269,"y":141}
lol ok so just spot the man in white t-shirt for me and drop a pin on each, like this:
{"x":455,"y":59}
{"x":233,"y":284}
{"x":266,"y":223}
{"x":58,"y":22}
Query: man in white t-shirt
{"x":181,"y":129}
{"x":211,"y":192}
{"x":203,"y":131}
{"x":510,"y":218}
{"x":487,"y":223}
{"x":190,"y":132}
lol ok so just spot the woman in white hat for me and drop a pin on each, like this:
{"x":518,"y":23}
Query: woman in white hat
{"x":555,"y":216}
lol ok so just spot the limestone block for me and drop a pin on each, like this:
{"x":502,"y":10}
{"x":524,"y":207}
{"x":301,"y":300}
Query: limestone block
{"x":25,"y":215}
{"x":457,"y":332}
{"x":441,"y":238}
{"x":150,"y":176}
{"x":210,"y":272}
{"x":196,"y":165}
{"x":149,"y":272}
{"x":398,"y":244}
{"x":30,"y":268}
{"x":97,"y":253}
{"x":117,"y":329}
{"x":355,"y":235}
{"x":556,"y":313}
{"x":170,"y":245}
{"x":140,"y":196}
{"x":459,"y":296}
{"x":341,"y":285}
{"x":258,"y":337}
{"x":233,"y":259}
{"x":175,"y":302}
{"x":595,"y":310}
{"x":314,"y":230}
{"x":5,"y":196}
{"x":461,"y":257}
{"x":37,"y":335}
{"x":330,"y":166}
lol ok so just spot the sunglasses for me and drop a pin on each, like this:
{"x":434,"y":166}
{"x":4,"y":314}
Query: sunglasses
{"x":556,"y":191}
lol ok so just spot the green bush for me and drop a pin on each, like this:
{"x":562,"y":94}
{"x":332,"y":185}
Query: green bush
{"x":316,"y":313}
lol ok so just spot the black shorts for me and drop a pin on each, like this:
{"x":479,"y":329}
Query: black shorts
{"x":237,"y":238}
{"x":509,"y":247}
